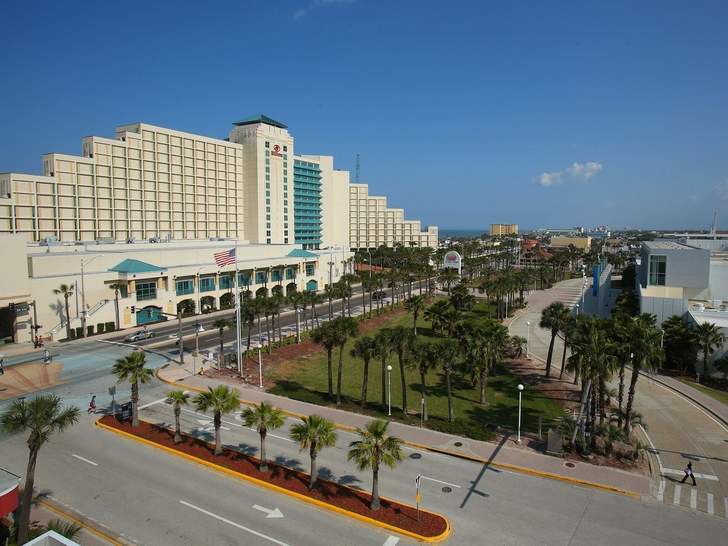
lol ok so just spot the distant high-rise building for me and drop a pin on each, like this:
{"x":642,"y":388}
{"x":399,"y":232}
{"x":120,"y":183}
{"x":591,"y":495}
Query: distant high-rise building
{"x":499,"y":230}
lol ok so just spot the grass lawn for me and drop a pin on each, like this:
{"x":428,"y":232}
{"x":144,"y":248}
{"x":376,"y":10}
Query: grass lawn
{"x":720,"y":396}
{"x":305,"y":379}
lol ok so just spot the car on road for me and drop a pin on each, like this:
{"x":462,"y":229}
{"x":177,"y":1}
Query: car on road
{"x":380,"y":295}
{"x":140,"y":335}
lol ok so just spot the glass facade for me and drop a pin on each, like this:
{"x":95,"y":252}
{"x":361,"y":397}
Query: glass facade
{"x":185,"y":287}
{"x":658,"y":268}
{"x":307,"y":204}
{"x":207,"y":284}
{"x":146,"y":290}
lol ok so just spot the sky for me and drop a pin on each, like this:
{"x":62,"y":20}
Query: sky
{"x":545,"y":114}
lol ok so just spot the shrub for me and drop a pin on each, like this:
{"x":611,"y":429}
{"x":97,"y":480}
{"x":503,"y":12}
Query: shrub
{"x":79,"y":332}
{"x":110,"y":326}
{"x":100,"y":328}
{"x":90,"y":330}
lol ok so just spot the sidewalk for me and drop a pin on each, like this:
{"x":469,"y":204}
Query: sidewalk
{"x":505,"y":454}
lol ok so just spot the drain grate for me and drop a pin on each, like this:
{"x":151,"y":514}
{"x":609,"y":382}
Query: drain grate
{"x":447,"y":489}
{"x":458,"y":444}
{"x":416,"y":456}
{"x":570,"y":465}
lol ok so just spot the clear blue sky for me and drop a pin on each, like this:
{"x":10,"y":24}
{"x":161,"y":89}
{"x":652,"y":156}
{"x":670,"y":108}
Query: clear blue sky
{"x":465,"y":113}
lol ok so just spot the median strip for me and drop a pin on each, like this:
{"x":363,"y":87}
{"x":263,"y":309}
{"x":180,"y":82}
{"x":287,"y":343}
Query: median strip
{"x":354,"y":503}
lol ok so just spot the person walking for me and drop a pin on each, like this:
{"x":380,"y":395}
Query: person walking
{"x":689,"y":472}
{"x":2,"y":362}
{"x":92,"y":404}
{"x":47,"y":356}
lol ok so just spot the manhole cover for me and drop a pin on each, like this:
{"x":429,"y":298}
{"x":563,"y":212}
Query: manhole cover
{"x":447,"y":489}
{"x":570,"y":465}
{"x":458,"y":444}
{"x":416,"y":456}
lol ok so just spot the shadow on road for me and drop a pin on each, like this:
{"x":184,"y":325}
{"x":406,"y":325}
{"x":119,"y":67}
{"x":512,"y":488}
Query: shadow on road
{"x":486,"y":466}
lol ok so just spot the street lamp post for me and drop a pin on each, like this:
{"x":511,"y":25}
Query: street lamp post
{"x":389,"y":389}
{"x":260,"y":368}
{"x":520,"y":391}
{"x":370,"y":263}
{"x":198,"y":329}
{"x":528,"y":337}
{"x":298,"y":325}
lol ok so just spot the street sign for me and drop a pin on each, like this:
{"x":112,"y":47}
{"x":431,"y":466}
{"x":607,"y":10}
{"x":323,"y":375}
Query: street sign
{"x":21,"y":309}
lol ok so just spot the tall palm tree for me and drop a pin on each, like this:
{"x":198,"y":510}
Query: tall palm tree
{"x":435,"y":314}
{"x":448,"y":277}
{"x":365,"y":349}
{"x":645,"y":345}
{"x":447,"y":351}
{"x":709,"y":338}
{"x":347,"y":327}
{"x":42,"y":416}
{"x":374,"y":448}
{"x":132,"y":368}
{"x":414,"y":305}
{"x":116,"y":287}
{"x":297,"y":300}
{"x":177,"y":399}
{"x":402,"y":340}
{"x":220,"y":400}
{"x":221,"y":324}
{"x":426,"y":358}
{"x":327,"y":336}
{"x":383,"y":348}
{"x":263,"y":418}
{"x":66,"y":290}
{"x":553,"y":318}
{"x":681,"y":346}
{"x":315,"y":433}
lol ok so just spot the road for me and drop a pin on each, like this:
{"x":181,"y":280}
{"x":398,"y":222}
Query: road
{"x":678,"y":430}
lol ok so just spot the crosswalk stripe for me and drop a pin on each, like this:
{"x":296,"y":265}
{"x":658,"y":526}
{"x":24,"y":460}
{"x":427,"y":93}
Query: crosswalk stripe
{"x":693,"y":498}
{"x":711,"y":508}
{"x":676,"y":494}
{"x":661,"y":491}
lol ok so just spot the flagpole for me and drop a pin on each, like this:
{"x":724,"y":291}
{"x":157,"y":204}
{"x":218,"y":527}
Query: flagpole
{"x":237,"y":311}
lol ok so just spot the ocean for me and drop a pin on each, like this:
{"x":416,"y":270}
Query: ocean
{"x":450,"y":233}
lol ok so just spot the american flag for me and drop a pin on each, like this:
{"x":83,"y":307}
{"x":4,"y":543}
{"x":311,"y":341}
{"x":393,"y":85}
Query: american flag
{"x":226,"y":257}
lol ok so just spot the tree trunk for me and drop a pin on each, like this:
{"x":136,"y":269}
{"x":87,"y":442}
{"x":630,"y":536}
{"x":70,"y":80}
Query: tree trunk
{"x":563,"y":361}
{"x":314,"y":471}
{"x":630,"y":397}
{"x":27,"y":497}
{"x":384,"y":382}
{"x":177,"y":431}
{"x":551,"y":352}
{"x":449,"y":395}
{"x":403,"y":381}
{"x":365,"y":383}
{"x":221,"y":359}
{"x":263,"y":463}
{"x":414,"y":322}
{"x":267,"y":328}
{"x":330,"y":370}
{"x":217,"y":422}
{"x":375,"y":489}
{"x":424,"y":396}
{"x":116,"y":308}
{"x":339,"y":373}
{"x":135,"y":404}
{"x":620,"y":396}
{"x":482,"y":379}
{"x":68,"y":318}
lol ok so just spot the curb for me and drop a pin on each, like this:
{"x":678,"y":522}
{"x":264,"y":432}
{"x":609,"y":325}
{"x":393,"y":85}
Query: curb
{"x":83,"y":521}
{"x":219,"y":468}
{"x":465,"y":456}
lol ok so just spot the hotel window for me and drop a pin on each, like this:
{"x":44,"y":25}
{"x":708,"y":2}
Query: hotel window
{"x":267,"y":241}
{"x":290,"y":273}
{"x":267,"y":144}
{"x":276,"y":275}
{"x":207,"y":284}
{"x":658,"y":267}
{"x":244,"y":279}
{"x":260,"y":277}
{"x":184,"y":287}
{"x":146,"y":290}
{"x":285,"y":148}
{"x":226,"y":281}
{"x":310,"y":269}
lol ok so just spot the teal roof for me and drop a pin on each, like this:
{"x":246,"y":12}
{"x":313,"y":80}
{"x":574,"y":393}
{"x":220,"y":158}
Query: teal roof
{"x":261,"y":119}
{"x":298,"y":253}
{"x":135,"y":266}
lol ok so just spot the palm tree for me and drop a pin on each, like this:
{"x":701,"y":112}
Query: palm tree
{"x":132,"y":368}
{"x":177,"y":399}
{"x":220,"y":400}
{"x":297,"y":300}
{"x":449,"y":277}
{"x":66,"y":290}
{"x":365,"y":349}
{"x":518,"y":343}
{"x":415,"y":305}
{"x":427,"y":358}
{"x":435,"y":313}
{"x":116,"y":287}
{"x":681,"y":347}
{"x":402,"y":339}
{"x":553,"y":318}
{"x":346,"y":327}
{"x":315,"y":433}
{"x":373,"y":449}
{"x":709,"y":338}
{"x":42,"y":416}
{"x":221,"y":324}
{"x":645,"y":346}
{"x":263,"y":418}
{"x":327,"y":336}
{"x":447,"y":351}
{"x":383,"y":348}
{"x":461,"y":299}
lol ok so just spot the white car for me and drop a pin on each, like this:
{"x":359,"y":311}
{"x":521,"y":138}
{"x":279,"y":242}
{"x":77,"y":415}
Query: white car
{"x":140,"y":335}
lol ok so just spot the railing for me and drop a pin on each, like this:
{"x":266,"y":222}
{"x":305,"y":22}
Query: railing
{"x":93,"y":310}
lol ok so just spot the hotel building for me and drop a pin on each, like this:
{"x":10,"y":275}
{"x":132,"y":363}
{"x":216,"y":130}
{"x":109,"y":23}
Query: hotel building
{"x":500,"y":230}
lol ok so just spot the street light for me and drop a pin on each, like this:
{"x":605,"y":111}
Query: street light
{"x":389,"y":389}
{"x":260,"y":366}
{"x":370,"y":263}
{"x":198,"y":329}
{"x":83,"y":292}
{"x":528,"y":337}
{"x":520,"y":391}
{"x":298,"y":325}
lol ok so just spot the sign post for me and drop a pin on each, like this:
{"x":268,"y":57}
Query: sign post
{"x":417,"y":495}
{"x":453,"y":260}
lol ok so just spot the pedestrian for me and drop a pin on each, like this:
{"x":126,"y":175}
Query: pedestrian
{"x":92,"y":404}
{"x":689,"y":472}
{"x":2,"y":367}
{"x":47,"y":356}
{"x":35,"y":342}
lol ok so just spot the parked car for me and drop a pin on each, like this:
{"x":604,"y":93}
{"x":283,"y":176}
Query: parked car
{"x":380,"y":295}
{"x":140,"y":335}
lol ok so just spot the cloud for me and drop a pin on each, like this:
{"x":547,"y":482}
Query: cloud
{"x":313,"y":4}
{"x":577,"y":171}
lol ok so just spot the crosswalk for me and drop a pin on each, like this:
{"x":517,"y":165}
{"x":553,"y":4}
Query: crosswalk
{"x":689,"y":496}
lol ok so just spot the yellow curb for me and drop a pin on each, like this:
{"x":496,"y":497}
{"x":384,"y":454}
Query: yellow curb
{"x":52,"y":507}
{"x":505,"y":466}
{"x":219,"y":468}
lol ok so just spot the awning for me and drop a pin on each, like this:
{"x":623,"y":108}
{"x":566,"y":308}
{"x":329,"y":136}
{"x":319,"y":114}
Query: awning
{"x":9,"y":500}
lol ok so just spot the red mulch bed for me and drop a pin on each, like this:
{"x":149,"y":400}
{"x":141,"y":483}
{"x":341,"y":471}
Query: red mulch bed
{"x":354,"y":500}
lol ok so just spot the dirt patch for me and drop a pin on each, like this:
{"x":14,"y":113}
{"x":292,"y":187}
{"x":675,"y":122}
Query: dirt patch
{"x":350,"y":499}
{"x":23,"y":379}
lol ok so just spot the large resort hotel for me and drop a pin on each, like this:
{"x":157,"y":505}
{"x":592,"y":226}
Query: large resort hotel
{"x":133,"y":223}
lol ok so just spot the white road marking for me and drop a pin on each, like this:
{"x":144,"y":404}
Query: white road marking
{"x":237,"y":525}
{"x":440,"y":481}
{"x":655,"y":452}
{"x":661,"y":491}
{"x":84,"y":459}
{"x":270,"y":512}
{"x":693,"y":498}
{"x":391,"y":541}
{"x":725,"y":506}
{"x":234,"y":424}
{"x":711,"y":507}
{"x":676,"y":495}
{"x":150,"y":404}
{"x":676,"y":472}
